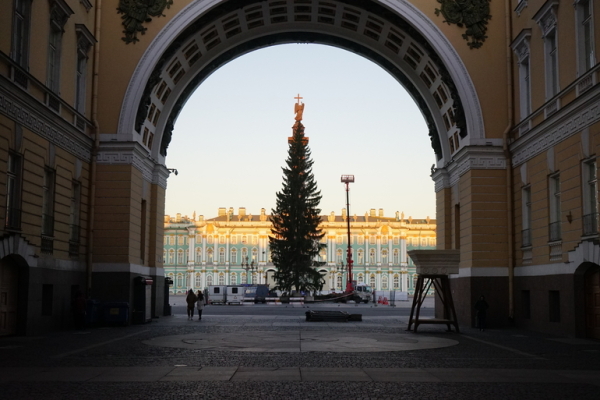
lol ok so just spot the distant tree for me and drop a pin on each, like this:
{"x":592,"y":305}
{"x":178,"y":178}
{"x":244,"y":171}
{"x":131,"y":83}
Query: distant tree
{"x":296,"y":237}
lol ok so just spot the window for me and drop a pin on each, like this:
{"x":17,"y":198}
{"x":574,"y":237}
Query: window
{"x":521,"y":48}
{"x":361,"y":257}
{"x":546,"y":19}
{"x":48,"y":202}
{"x":233,"y":256}
{"x":209,"y":282}
{"x":21,"y":30}
{"x":180,"y":256}
{"x":586,"y":58}
{"x":526,"y":204}
{"x":164,"y":256}
{"x":254,"y":239}
{"x":244,"y":239}
{"x":13,"y":191}
{"x":590,"y":197}
{"x":198,"y":281}
{"x":372,"y":281}
{"x":384,"y":240}
{"x":384,"y":257}
{"x":361,"y":278}
{"x":384,"y":282}
{"x":234,"y":279}
{"x":85,"y":40}
{"x":372,"y":257}
{"x":361,"y":240}
{"x":372,"y":239}
{"x":339,"y":282}
{"x":222,"y":239}
{"x":338,"y":256}
{"x":339,"y":239}
{"x":74,"y":234}
{"x":59,"y":13}
{"x":396,"y":282}
{"x":221,"y":279}
{"x":221,"y":255}
{"x":171,"y":256}
{"x":554,"y":198}
{"x":396,"y":257}
{"x":198,"y":254}
{"x":254,"y":278}
{"x":553,"y":306}
{"x":234,"y":239}
{"x":179,"y":280}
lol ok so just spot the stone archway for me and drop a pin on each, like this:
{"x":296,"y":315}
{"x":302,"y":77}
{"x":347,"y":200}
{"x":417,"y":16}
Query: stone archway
{"x":206,"y":35}
{"x":14,"y":277}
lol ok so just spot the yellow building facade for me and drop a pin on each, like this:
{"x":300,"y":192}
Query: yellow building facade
{"x":203,"y":252}
{"x":90,"y":90}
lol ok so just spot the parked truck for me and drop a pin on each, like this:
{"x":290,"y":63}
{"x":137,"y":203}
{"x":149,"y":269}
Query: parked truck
{"x":256,"y":293}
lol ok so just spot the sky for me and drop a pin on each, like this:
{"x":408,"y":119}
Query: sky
{"x":230,"y":139}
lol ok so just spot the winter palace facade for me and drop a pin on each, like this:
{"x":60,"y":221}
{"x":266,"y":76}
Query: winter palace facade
{"x":234,"y":249}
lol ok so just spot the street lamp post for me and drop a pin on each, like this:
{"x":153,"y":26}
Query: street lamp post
{"x":249,"y":268}
{"x":347,"y":179}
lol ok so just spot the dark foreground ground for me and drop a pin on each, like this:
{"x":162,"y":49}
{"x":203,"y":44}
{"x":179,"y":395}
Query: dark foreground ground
{"x":211,"y":360}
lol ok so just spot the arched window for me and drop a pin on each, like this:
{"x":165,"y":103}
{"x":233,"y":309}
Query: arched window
{"x":172,"y":240}
{"x":372,"y":239}
{"x":234,"y":239}
{"x":339,"y":239}
{"x":164,"y":256}
{"x":396,"y":282}
{"x":221,"y":278}
{"x":198,"y":280}
{"x":372,"y":257}
{"x":209,"y":280}
{"x":180,"y":256}
{"x":361,"y":240}
{"x":384,"y":239}
{"x":361,"y":257}
{"x":179,"y":281}
{"x":361,"y":278}
{"x":414,"y":281}
{"x":198,"y":254}
{"x":338,"y":256}
{"x":254,"y":254}
{"x":222,"y":239}
{"x":222,"y":255}
{"x":234,"y":278}
{"x":209,"y":255}
{"x":254,"y":239}
{"x":339,"y":282}
{"x":244,"y":254}
{"x":210,"y":239}
{"x":171,"y":256}
{"x":233,"y":256}
{"x":384,"y":282}
{"x":396,"y":257}
{"x":384,"y":257}
{"x":372,"y":280}
{"x":244,"y":239}
{"x":254,"y":278}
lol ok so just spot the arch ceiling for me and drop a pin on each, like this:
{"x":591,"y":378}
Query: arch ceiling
{"x":393,"y":34}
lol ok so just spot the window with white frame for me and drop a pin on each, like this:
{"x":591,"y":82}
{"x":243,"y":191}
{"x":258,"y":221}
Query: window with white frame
{"x":586,"y":57}
{"x":209,"y":256}
{"x":209,"y":280}
{"x":339,"y":239}
{"x":210,"y":239}
{"x":234,"y":239}
{"x":221,"y":278}
{"x":234,"y":278}
{"x":180,"y":256}
{"x":338,"y":256}
{"x":198,"y":280}
{"x":396,"y":241}
{"x":85,"y":41}
{"x":526,"y":222}
{"x":372,"y":239}
{"x":521,"y":48}
{"x":254,"y":254}
{"x":396,"y":282}
{"x":222,"y":239}
{"x":164,"y":256}
{"x":221,"y":255}
{"x":21,"y":32}
{"x":546,"y":18}
{"x":384,"y":239}
{"x":361,"y":257}
{"x":361,"y":278}
{"x":384,"y":282}
{"x":171,"y":257}
{"x":396,"y":256}
{"x":590,"y":196}
{"x":234,"y":256}
{"x":372,"y":281}
{"x":372,"y":256}
{"x":254,"y":239}
{"x":554,"y":199}
{"x":361,"y":240}
{"x":244,"y":239}
{"x":59,"y":13}
{"x":179,"y":280}
{"x":198,"y":254}
{"x":384,"y":257}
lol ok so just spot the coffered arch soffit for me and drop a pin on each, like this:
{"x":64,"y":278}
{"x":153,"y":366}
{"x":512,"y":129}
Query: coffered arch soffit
{"x":393,"y":34}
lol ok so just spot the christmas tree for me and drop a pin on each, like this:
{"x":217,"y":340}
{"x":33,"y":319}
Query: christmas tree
{"x":296,"y":237}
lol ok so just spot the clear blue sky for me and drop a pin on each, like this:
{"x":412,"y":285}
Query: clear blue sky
{"x":230,"y":140}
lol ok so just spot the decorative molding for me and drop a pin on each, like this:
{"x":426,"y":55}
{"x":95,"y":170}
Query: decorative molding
{"x":136,"y":13}
{"x":469,"y":158}
{"x":561,"y":126}
{"x":520,"y":7}
{"x":546,"y":17}
{"x":33,"y":119}
{"x":15,"y":244}
{"x":521,"y":45}
{"x":472,"y":14}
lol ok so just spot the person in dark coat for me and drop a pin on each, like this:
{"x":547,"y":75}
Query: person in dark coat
{"x":480,"y":313}
{"x":200,"y":304}
{"x":191,"y":299}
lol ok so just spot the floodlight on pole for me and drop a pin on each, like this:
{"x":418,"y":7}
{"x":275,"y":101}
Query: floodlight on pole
{"x":348,"y":179}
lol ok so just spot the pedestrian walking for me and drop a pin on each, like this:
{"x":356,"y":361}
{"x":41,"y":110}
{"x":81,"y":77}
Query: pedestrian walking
{"x":200,"y":304}
{"x":481,"y":307}
{"x":191,"y":299}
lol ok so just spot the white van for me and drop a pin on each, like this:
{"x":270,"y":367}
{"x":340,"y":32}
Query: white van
{"x":235,"y":295}
{"x":217,"y":294}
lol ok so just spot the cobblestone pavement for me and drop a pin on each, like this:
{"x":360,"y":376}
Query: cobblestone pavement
{"x":118,"y":363}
